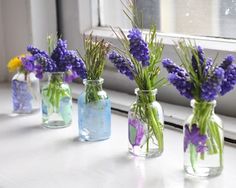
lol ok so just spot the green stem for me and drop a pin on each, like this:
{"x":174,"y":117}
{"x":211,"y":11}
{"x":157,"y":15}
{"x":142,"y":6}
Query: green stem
{"x":193,"y":156}
{"x":155,"y":125}
{"x":203,"y":117}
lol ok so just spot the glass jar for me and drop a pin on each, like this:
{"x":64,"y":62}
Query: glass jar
{"x":94,"y":112}
{"x":145,"y":125}
{"x":56,"y":102}
{"x":203,"y":141}
{"x":25,"y":93}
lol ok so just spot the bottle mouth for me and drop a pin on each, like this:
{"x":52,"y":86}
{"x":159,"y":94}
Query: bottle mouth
{"x":94,"y":82}
{"x":193,"y":102}
{"x":137,"y":91}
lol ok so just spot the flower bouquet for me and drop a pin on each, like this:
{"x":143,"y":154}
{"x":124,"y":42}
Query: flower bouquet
{"x":202,"y":81}
{"x":139,"y":61}
{"x":25,"y":86}
{"x":93,"y":103}
{"x":63,"y":66}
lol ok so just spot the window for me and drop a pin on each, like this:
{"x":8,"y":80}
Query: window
{"x":78,"y":17}
{"x":200,"y":18}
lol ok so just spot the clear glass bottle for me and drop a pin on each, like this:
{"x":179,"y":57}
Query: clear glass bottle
{"x":56,"y":102}
{"x":25,"y":93}
{"x":145,"y":125}
{"x":203,"y":141}
{"x":94,"y":112}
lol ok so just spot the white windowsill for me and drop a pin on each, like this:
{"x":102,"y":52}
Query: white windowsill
{"x":173,"y":113}
{"x":33,"y":156}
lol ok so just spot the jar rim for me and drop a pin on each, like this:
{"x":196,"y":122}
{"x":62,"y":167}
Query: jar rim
{"x":98,"y":81}
{"x":139,"y":91}
{"x":193,"y":101}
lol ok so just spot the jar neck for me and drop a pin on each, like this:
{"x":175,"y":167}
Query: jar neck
{"x":56,"y":77}
{"x":94,"y":83}
{"x":146,"y":96}
{"x":24,"y":74}
{"x":203,"y":107}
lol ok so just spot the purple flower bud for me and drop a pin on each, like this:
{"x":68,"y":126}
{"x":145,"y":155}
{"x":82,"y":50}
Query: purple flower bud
{"x":230,"y":75}
{"x":124,"y":66}
{"x":138,"y":47}
{"x":28,"y":63}
{"x":212,"y":86}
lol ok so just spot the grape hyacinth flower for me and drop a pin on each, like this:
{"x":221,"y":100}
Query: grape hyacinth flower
{"x":136,"y":132}
{"x":123,"y":65}
{"x":138,"y":47}
{"x":230,"y":75}
{"x":208,"y":66}
{"x":60,"y":50}
{"x":199,"y":62}
{"x":179,"y":78}
{"x":61,"y":60}
{"x":212,"y":86}
{"x":194,"y":137}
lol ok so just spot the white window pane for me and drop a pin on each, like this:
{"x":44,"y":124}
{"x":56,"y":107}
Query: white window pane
{"x":215,"y":18}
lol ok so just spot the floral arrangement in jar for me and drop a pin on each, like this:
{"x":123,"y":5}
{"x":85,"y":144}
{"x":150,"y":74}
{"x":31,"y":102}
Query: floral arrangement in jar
{"x":63,"y":66}
{"x":93,"y":103}
{"x":201,"y":80}
{"x":139,"y":60}
{"x":24,"y":84}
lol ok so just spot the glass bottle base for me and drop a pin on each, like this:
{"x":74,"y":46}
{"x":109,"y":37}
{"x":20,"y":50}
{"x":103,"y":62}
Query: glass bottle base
{"x":22,"y":112}
{"x":86,"y":138}
{"x":138,"y":152}
{"x":203,"y":171}
{"x":55,"y":124}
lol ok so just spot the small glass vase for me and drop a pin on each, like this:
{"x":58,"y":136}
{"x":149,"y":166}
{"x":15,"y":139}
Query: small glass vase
{"x":25,"y":93}
{"x":56,"y":102}
{"x":94,"y":112}
{"x":203,"y":141}
{"x":145,"y":125}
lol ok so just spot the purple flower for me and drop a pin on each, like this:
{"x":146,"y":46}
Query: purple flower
{"x":198,"y":62}
{"x":138,"y":47}
{"x":35,"y":51}
{"x":181,"y":83}
{"x":123,"y":65}
{"x":227,"y":62}
{"x":179,"y":78}
{"x":212,"y":86}
{"x":171,"y":66}
{"x":59,"y":51}
{"x":28,"y":63}
{"x":208,"y":66}
{"x":194,"y":137}
{"x":61,"y":60}
{"x":78,"y":67}
{"x":70,"y":76}
{"x":230,"y":75}
{"x":136,"y":132}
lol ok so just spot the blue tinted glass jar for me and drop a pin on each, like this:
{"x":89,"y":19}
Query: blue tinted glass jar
{"x":56,"y":102}
{"x":25,"y":93}
{"x":94,"y":112}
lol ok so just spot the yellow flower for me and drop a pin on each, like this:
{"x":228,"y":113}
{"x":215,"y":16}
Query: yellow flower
{"x":15,"y":63}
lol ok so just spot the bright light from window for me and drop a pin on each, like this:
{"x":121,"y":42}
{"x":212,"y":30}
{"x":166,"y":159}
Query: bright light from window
{"x":215,"y":18}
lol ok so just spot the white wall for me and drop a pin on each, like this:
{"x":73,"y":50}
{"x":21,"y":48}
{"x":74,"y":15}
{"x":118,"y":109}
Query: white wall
{"x":2,"y":49}
{"x":24,"y":22}
{"x":43,"y":21}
